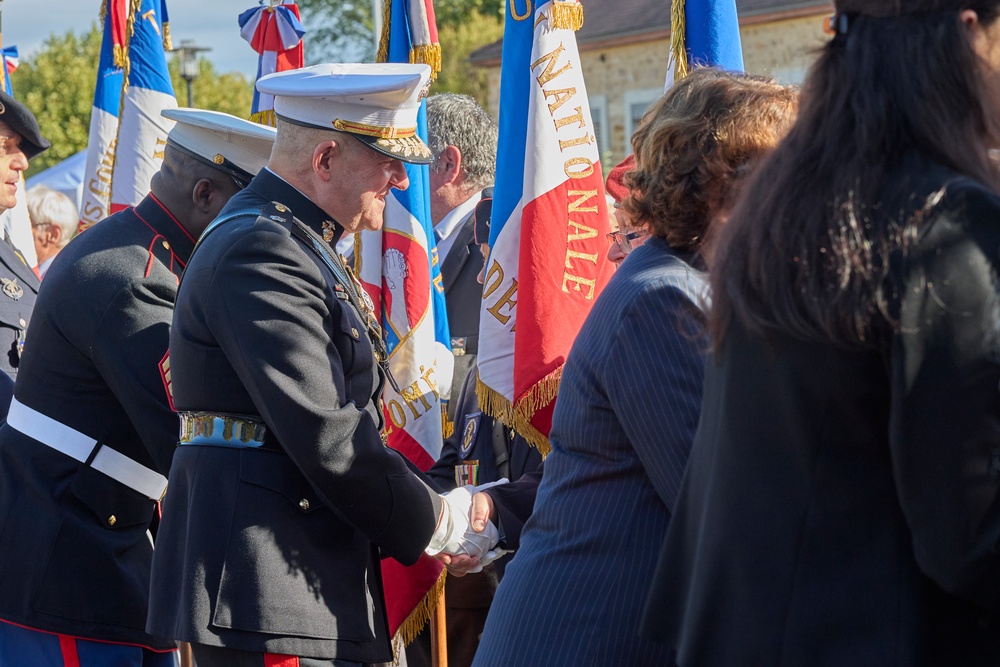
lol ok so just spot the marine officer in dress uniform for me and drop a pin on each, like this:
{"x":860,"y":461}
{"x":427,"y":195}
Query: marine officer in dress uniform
{"x":91,"y":431}
{"x":20,"y":140}
{"x":283,"y":497}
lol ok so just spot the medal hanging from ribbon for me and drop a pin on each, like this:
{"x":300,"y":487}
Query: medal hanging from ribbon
{"x":275,"y":32}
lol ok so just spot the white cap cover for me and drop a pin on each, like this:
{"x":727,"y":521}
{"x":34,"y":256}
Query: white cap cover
{"x":234,"y":145}
{"x":376,"y":102}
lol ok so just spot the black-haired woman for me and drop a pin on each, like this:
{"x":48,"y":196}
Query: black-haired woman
{"x":842,"y":500}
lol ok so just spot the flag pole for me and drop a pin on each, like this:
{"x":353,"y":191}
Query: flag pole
{"x":439,"y":633}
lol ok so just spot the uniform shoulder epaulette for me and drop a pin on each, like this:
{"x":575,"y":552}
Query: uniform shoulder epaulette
{"x":277,"y":212}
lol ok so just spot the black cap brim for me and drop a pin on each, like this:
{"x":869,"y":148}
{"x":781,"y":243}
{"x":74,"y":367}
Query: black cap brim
{"x":20,"y":119}
{"x":407,"y":149}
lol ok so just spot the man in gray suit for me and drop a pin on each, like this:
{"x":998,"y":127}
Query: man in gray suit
{"x":463,"y":140}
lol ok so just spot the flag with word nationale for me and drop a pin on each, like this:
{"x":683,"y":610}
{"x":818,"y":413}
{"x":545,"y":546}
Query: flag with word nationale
{"x":127,"y":132}
{"x":398,"y":267}
{"x":548,"y":229}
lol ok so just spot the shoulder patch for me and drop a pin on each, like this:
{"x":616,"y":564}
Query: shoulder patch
{"x":470,"y":427}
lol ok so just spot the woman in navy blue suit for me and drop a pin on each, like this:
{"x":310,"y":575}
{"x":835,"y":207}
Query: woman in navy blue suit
{"x":631,"y":390}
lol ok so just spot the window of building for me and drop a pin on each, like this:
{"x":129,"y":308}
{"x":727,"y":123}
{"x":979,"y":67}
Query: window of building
{"x":636,"y":104}
{"x":599,"y":114}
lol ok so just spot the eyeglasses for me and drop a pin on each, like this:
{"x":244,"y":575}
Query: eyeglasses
{"x":624,"y":239}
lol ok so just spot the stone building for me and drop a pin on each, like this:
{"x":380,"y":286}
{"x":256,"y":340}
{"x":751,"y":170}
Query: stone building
{"x":624,"y":46}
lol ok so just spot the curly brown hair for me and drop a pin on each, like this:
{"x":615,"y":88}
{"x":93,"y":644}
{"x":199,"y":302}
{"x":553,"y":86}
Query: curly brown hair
{"x":695,"y":144}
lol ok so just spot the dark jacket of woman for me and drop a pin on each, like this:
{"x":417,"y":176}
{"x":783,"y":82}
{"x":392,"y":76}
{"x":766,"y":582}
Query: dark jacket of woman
{"x":842,"y":505}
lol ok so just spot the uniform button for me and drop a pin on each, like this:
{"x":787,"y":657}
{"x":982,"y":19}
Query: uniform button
{"x":166,"y":245}
{"x":304,"y":505}
{"x":355,"y":333}
{"x":22,"y":322}
{"x":112,"y":520}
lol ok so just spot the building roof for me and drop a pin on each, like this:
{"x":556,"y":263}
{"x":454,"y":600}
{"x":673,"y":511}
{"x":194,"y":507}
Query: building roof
{"x":607,"y":20}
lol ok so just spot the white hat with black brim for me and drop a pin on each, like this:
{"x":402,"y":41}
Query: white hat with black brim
{"x":233,"y":145}
{"x":375,"y":102}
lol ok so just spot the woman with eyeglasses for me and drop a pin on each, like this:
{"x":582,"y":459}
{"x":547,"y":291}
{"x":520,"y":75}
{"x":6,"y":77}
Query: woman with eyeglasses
{"x":631,"y":391}
{"x":625,"y":237}
{"x":842,"y":500}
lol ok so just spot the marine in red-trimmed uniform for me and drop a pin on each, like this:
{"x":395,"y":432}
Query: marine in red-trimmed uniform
{"x":91,"y":431}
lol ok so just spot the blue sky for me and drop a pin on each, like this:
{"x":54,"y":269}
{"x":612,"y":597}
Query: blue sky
{"x":211,"y":23}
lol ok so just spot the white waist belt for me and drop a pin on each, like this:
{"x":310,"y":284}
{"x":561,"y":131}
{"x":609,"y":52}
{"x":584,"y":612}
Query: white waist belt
{"x":74,"y":444}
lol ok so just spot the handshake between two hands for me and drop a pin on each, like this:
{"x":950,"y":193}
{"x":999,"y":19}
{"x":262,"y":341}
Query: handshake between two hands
{"x":466,"y":539}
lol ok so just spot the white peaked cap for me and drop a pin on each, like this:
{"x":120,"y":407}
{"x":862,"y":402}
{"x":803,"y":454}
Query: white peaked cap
{"x":376,"y":102}
{"x":233,"y":145}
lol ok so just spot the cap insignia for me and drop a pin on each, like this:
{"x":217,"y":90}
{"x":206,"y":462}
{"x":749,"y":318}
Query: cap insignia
{"x":3,"y":109}
{"x":218,"y":159}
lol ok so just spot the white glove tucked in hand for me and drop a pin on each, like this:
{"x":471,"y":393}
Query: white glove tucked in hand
{"x":454,"y":522}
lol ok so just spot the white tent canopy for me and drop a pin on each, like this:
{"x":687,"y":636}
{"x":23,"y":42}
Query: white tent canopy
{"x":66,"y":177}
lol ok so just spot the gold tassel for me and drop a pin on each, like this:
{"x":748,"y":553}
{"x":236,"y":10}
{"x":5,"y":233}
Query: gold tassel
{"x":447,"y":426}
{"x":566,"y":15}
{"x":517,"y":417}
{"x":382,"y":55}
{"x":265,"y":117}
{"x":429,"y":54}
{"x":168,"y":43}
{"x":104,"y":13}
{"x":120,"y":56}
{"x":678,"y":50}
{"x":418,"y":618}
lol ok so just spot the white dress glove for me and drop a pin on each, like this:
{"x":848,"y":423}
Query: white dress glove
{"x":454,"y":523}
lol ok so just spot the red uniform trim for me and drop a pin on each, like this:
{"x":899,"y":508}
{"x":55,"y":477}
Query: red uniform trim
{"x":68,"y":647}
{"x":89,"y":639}
{"x":275,"y":660}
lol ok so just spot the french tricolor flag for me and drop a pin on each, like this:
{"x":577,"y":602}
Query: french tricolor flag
{"x":127,"y":132}
{"x":398,"y":267}
{"x":548,"y":229}
{"x":275,"y":33}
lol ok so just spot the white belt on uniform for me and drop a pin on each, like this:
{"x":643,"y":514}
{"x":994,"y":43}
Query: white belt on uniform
{"x":74,"y":444}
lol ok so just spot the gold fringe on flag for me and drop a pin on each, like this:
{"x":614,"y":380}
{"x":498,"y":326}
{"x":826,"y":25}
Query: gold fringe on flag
{"x":678,"y":49}
{"x":168,"y":43}
{"x":382,"y":55}
{"x":265,"y":117}
{"x":517,"y":417}
{"x":567,"y":15}
{"x":418,"y":618}
{"x":104,"y":13}
{"x":429,"y":54}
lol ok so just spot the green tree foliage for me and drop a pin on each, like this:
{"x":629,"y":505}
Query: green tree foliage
{"x":342,"y":29}
{"x":57,"y":83}
{"x":458,"y":40}
{"x":338,"y":30}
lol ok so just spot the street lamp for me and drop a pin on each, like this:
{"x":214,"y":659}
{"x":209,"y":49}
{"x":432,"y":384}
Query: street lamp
{"x":187,"y":53}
